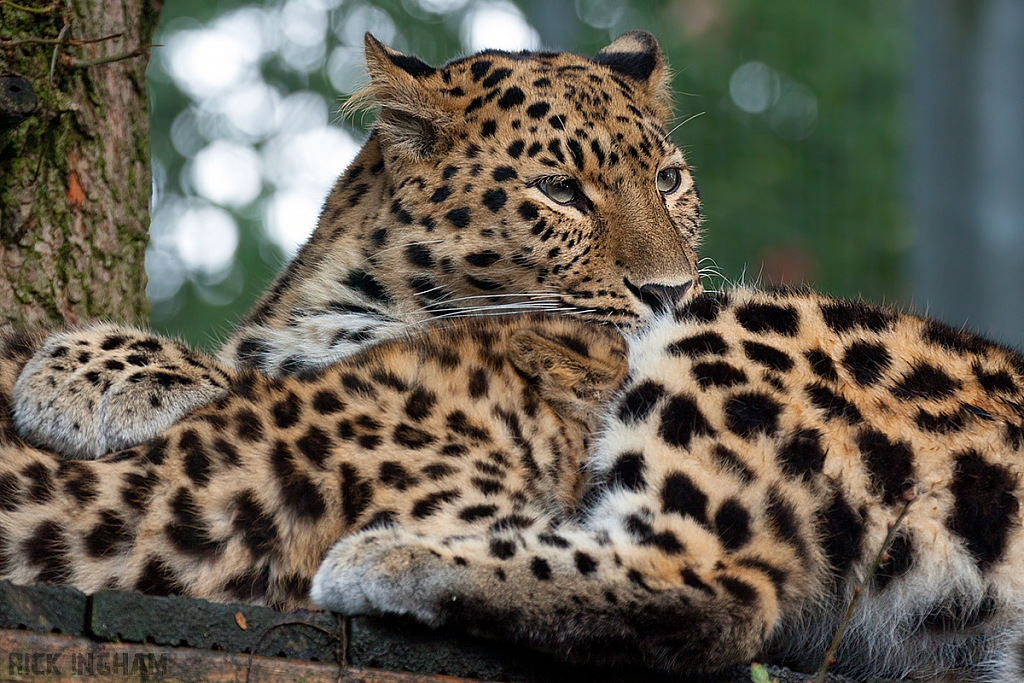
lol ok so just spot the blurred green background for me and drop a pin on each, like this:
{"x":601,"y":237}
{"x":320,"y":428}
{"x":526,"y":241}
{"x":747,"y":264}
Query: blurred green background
{"x":794,"y":114}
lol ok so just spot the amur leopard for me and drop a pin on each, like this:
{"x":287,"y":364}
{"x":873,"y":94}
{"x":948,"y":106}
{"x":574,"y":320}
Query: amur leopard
{"x":721,"y":501}
{"x":499,"y":184}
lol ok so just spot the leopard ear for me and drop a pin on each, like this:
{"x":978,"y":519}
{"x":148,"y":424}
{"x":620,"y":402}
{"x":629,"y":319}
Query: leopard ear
{"x":575,"y":382}
{"x":383,"y":62}
{"x":637,"y":56}
{"x":415,"y":120}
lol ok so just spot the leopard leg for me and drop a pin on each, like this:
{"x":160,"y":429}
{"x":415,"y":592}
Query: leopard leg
{"x":686,"y":566}
{"x":609,"y":595}
{"x":88,"y":392}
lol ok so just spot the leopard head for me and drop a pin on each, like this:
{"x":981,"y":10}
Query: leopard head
{"x":503,"y":182}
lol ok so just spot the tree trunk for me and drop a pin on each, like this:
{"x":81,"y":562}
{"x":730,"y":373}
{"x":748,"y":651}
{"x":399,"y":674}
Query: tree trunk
{"x":74,"y":159}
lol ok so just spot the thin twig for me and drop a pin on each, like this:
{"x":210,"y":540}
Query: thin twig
{"x":882,"y":556}
{"x":342,"y":640}
{"x":30,"y":10}
{"x":346,"y":624}
{"x":56,"y":51}
{"x":81,"y":63}
{"x":55,"y":41}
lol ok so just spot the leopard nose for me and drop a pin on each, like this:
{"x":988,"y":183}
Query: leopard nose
{"x":661,"y":297}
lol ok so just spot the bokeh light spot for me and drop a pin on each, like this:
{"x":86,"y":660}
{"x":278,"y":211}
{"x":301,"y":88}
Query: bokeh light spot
{"x":499,"y":26}
{"x":227,"y":173}
{"x":289,"y":218}
{"x":600,"y":13}
{"x":754,"y":87}
{"x":206,"y":238}
{"x":366,"y":19}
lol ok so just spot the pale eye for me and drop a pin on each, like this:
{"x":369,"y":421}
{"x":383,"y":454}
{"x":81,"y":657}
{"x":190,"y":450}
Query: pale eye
{"x":561,"y":191}
{"x":668,"y":180}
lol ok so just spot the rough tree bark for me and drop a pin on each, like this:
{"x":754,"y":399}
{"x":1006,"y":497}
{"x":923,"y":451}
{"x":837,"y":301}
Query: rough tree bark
{"x":74,"y":159}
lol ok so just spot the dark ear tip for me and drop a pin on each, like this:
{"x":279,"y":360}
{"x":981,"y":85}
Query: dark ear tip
{"x":636,"y":41}
{"x":645,"y":38}
{"x":635,"y":54}
{"x":411,"y":65}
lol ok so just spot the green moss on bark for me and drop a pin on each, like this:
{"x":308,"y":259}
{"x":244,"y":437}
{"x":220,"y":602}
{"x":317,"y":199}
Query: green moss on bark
{"x":74,"y":177}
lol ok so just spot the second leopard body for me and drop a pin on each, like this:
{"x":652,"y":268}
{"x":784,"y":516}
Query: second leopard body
{"x":760,"y":450}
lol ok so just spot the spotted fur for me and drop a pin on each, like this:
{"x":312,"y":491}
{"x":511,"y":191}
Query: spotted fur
{"x":441,"y":214}
{"x":240,"y":500}
{"x":748,"y":472}
{"x":105,"y":387}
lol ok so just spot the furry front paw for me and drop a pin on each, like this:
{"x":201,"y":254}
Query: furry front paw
{"x":386,"y":572}
{"x":93,"y":391}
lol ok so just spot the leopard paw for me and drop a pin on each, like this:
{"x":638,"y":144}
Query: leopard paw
{"x":93,"y":391}
{"x":387,"y":571}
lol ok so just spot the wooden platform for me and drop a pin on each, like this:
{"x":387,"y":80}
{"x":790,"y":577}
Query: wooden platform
{"x":33,"y":657}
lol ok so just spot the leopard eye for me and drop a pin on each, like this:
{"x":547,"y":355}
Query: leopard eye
{"x":561,"y":191}
{"x":668,"y":180}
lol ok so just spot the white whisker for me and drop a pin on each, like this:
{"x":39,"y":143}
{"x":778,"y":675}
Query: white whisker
{"x":500,"y":296}
{"x":485,"y":314}
{"x":503,"y":307}
{"x":428,"y":291}
{"x":683,"y":123}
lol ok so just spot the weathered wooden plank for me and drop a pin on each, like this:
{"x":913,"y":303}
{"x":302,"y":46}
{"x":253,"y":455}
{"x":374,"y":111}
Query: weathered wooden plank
{"x":128,"y":616}
{"x":33,"y":657}
{"x":42,"y":608}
